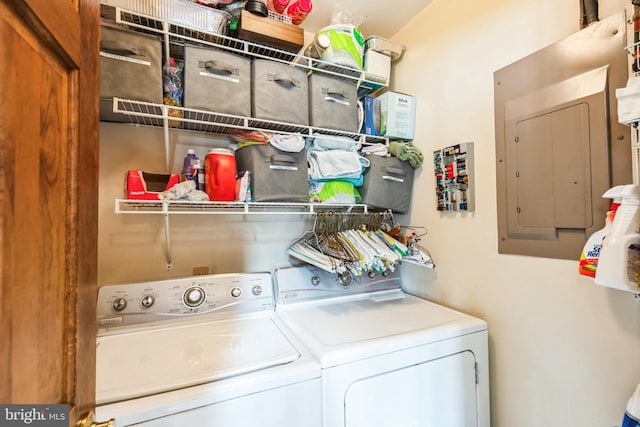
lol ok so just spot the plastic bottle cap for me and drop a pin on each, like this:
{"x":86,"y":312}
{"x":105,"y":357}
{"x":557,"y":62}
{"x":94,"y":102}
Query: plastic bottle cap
{"x":191,"y":151}
{"x":305,"y":6}
{"x":324,"y":40}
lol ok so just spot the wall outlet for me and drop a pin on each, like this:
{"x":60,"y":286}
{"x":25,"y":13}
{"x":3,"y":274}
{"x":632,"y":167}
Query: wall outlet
{"x":200,"y":271}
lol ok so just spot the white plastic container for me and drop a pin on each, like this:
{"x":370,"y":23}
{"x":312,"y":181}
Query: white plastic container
{"x":629,"y":102}
{"x":377,"y":67}
{"x":387,"y":47}
{"x":620,"y":253}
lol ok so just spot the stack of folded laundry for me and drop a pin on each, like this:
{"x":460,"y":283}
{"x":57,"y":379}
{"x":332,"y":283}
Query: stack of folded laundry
{"x":335,"y":169}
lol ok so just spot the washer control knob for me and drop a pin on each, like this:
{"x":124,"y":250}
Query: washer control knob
{"x":257,"y":290}
{"x":194,"y":296}
{"x":345,"y":279}
{"x":119,"y":304}
{"x":147,"y":301}
{"x":236,"y":292}
{"x":315,"y":280}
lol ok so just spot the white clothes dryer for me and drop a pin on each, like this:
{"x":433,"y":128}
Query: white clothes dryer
{"x":202,"y":350}
{"x":388,"y":358}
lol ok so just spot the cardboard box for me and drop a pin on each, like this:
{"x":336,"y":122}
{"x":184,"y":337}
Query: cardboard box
{"x":141,"y":185}
{"x":269,"y":32}
{"x":397,"y":115}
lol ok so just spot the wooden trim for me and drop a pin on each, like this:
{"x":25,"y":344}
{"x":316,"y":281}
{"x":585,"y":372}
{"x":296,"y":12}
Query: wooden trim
{"x":86,"y":182}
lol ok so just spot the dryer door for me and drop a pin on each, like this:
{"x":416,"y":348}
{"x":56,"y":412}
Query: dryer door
{"x":439,"y":392}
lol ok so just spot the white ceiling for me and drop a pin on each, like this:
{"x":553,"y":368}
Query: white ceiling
{"x":382,"y":18}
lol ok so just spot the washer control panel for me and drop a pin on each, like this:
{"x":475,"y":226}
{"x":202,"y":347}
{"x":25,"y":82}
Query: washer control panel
{"x":298,"y":284}
{"x":223,"y":294}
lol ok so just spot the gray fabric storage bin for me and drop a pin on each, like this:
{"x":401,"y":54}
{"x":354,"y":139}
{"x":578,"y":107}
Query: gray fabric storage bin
{"x":217,"y":81}
{"x":333,"y":103}
{"x":388,"y":183}
{"x":279,"y":92}
{"x":130,"y":68}
{"x":276,"y":176}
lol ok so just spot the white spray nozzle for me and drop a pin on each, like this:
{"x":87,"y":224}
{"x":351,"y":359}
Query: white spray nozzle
{"x":631,"y":195}
{"x":614,"y":193}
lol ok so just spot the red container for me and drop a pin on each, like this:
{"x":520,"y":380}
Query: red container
{"x":298,"y":11}
{"x":279,"y":6}
{"x":220,"y":175}
{"x":147,"y":186}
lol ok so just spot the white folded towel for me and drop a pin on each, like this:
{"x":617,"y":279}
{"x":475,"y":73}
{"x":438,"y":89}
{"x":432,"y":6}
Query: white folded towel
{"x":377,"y":149}
{"x":334,"y":143}
{"x":334,"y":164}
{"x":293,"y":143}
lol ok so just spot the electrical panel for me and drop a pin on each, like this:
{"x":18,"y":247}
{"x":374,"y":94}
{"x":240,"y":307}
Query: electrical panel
{"x":453,"y":169}
{"x":559,"y":145}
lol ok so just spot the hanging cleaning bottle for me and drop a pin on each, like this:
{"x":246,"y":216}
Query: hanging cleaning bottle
{"x":590,"y":255}
{"x":620,"y":253}
{"x":591,"y":252}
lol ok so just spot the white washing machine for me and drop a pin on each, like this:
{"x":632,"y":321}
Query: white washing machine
{"x":387,"y":357}
{"x":202,"y":350}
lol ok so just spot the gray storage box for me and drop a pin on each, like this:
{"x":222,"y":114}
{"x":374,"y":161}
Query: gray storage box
{"x":333,"y":103}
{"x":130,"y":68}
{"x":388,"y":183}
{"x":276,"y":176}
{"x":217,"y":81}
{"x":279,"y":92}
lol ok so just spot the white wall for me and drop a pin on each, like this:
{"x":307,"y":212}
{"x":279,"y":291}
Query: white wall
{"x":131,"y":248}
{"x":562,"y":351}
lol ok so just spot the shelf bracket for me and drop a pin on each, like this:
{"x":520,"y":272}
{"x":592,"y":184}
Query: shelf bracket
{"x":167,"y":234}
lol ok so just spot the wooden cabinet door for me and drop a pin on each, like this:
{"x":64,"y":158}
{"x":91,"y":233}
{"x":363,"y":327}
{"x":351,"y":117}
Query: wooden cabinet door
{"x":48,"y":201}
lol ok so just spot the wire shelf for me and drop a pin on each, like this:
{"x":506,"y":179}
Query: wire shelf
{"x":159,"y":207}
{"x":149,"y":114}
